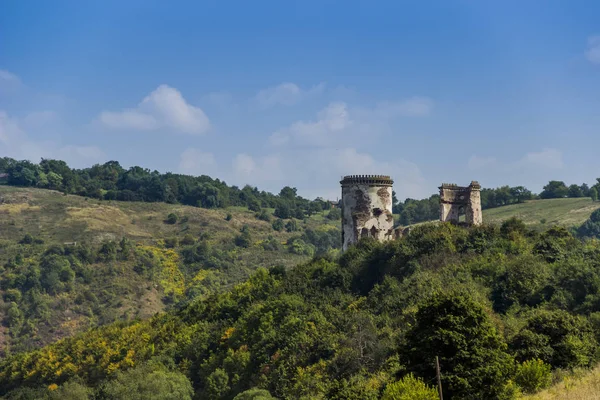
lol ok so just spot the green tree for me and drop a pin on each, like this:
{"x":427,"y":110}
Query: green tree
{"x":558,"y":338}
{"x":591,"y":227}
{"x":171,"y":219}
{"x":278,"y":224}
{"x":575,"y":191}
{"x":472,"y":353}
{"x":150,"y":381}
{"x":54,"y":181}
{"x":409,"y":388}
{"x":555,"y":190}
{"x":255,"y":394}
{"x":533,"y":376}
{"x":594,"y":194}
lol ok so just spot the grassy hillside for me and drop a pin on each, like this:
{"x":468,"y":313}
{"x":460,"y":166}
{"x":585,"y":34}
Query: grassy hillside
{"x":537,"y":213}
{"x":97,"y":282}
{"x":582,"y":385}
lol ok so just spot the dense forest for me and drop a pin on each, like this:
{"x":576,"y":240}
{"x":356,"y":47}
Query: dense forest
{"x":504,"y":308}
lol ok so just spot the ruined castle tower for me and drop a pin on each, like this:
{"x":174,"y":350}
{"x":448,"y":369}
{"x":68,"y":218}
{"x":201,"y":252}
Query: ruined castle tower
{"x":366,"y":208}
{"x":456,"y":201}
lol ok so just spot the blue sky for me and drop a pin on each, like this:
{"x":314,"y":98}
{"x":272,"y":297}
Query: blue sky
{"x":274,"y":93}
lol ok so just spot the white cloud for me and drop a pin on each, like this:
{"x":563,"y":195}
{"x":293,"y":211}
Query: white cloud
{"x":330,"y":123}
{"x":165,"y":107}
{"x":265,"y":169}
{"x":40,"y":119}
{"x":9,"y":77}
{"x":317,"y":171}
{"x":286,"y":94}
{"x":15,"y":143}
{"x":9,"y":129}
{"x":545,"y":159}
{"x":593,"y":51}
{"x":338,"y":122}
{"x":195,"y":162}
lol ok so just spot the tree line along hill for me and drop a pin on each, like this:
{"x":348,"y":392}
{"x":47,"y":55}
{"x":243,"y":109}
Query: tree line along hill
{"x":110,"y":181}
{"x":83,"y":278}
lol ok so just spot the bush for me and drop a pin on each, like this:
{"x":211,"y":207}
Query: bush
{"x":255,"y":394}
{"x":271,"y":244}
{"x":263,"y":215}
{"x":228,"y":217}
{"x":409,"y":388}
{"x":171,"y":243}
{"x":334,"y":214}
{"x":27,"y":239}
{"x":188,"y":240}
{"x":533,"y":376}
{"x":171,"y":219}
{"x":278,"y":225}
{"x":291,"y":226}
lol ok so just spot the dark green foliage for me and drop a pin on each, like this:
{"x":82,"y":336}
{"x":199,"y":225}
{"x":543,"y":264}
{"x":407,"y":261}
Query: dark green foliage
{"x":334,"y":214}
{"x":291,"y":226}
{"x":278,"y":225}
{"x":554,"y":190}
{"x":523,"y":282}
{"x":594,"y":194}
{"x":472,"y":354}
{"x":263,"y":215}
{"x":558,"y":338}
{"x":512,"y":226}
{"x":171,"y":219}
{"x":171,"y":243}
{"x":271,"y":244}
{"x":591,"y":227}
{"x":245,"y":238}
{"x":27,"y":239}
{"x":228,"y":217}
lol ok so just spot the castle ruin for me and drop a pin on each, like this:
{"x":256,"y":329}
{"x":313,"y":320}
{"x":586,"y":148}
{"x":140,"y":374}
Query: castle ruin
{"x":456,"y":201}
{"x":366,"y":208}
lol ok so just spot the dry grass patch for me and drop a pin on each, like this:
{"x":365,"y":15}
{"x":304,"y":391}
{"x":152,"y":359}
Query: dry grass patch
{"x":577,"y":387}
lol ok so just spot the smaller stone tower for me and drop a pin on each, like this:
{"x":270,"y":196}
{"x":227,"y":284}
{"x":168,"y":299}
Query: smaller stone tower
{"x":366,"y":208}
{"x":459,"y":200}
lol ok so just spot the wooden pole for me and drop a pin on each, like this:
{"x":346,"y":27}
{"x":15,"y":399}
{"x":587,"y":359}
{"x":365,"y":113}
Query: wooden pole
{"x":439,"y":377}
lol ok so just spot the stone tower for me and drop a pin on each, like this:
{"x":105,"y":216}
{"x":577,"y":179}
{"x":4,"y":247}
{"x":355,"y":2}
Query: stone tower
{"x":459,"y":200}
{"x":366,"y":208}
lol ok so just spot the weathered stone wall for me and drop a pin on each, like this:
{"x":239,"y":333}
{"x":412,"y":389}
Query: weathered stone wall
{"x":366,"y":208}
{"x":459,"y":200}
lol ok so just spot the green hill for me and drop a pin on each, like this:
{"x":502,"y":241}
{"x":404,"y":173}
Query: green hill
{"x":540,"y":213}
{"x":503,"y":310}
{"x":95,"y":281}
